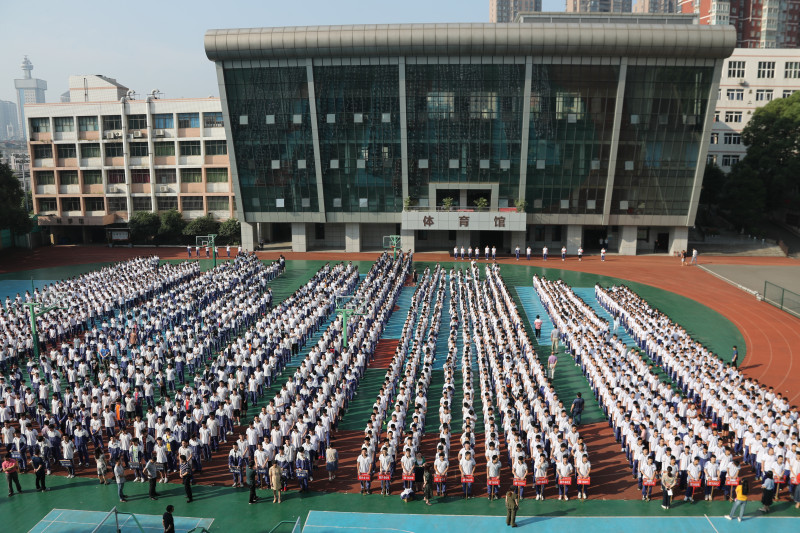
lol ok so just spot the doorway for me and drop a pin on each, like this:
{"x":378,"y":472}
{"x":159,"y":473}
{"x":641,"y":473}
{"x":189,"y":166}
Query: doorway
{"x":595,"y":238}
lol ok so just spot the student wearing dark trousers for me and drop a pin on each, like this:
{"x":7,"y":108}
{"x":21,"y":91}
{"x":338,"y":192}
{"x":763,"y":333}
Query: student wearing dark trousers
{"x":186,"y":477}
{"x":250,"y":475}
{"x":152,"y":477}
{"x":40,"y":471}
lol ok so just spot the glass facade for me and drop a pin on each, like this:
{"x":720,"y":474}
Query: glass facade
{"x":271,"y":129}
{"x":358,"y":119}
{"x":464,"y":129}
{"x":569,"y":137}
{"x":464,"y":126}
{"x":661,"y":133}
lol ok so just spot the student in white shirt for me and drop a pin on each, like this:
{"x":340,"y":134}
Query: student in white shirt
{"x":467,"y":468}
{"x":364,"y":466}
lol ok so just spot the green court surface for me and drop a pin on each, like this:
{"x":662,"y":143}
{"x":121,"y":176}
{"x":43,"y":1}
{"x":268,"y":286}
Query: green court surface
{"x":327,"y":522}
{"x":70,"y":520}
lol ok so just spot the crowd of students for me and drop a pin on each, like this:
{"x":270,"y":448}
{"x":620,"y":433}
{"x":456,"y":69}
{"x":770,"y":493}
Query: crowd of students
{"x":756,"y":422}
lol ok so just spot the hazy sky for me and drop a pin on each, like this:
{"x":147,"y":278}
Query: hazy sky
{"x":150,"y":45}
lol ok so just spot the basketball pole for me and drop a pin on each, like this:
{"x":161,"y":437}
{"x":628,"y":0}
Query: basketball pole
{"x":34,"y":314}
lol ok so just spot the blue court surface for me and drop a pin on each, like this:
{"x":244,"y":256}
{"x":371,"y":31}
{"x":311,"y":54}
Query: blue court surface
{"x":12,"y":287}
{"x":73,"y":521}
{"x":322,"y":521}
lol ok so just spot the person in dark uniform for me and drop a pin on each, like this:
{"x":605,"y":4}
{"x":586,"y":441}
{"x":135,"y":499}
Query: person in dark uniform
{"x":251,"y":481}
{"x":186,"y":477}
{"x":168,"y":521}
{"x":512,"y":504}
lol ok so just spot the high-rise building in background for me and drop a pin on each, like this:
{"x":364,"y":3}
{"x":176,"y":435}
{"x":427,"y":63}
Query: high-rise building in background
{"x":656,"y":6}
{"x":30,"y":90}
{"x":106,"y":154}
{"x":758,"y":23}
{"x":507,"y":10}
{"x":599,"y":6}
{"x":9,"y":124}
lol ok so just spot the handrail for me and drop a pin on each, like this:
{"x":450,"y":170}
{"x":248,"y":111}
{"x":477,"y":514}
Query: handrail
{"x":279,"y":524}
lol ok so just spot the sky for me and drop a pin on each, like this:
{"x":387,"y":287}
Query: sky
{"x":159,"y":45}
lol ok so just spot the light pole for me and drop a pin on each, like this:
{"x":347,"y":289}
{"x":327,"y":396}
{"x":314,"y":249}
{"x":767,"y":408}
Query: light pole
{"x":34,"y":314}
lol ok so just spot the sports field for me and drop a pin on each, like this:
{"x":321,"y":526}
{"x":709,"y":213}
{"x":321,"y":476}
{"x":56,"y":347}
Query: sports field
{"x":713,"y":312}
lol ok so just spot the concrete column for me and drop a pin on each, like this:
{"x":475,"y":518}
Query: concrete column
{"x":679,"y":239}
{"x":249,"y":237}
{"x":574,"y":238}
{"x":352,"y":237}
{"x":627,"y":240}
{"x":85,"y":235}
{"x":407,"y":242}
{"x":299,"y":243}
{"x":462,"y":238}
{"x":518,"y":239}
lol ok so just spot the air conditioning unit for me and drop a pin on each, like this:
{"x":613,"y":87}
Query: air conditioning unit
{"x":113,"y":190}
{"x":137,"y":134}
{"x":110,"y":135}
{"x":163,"y":188}
{"x":742,"y":82}
{"x":158,"y":133}
{"x":117,"y":134}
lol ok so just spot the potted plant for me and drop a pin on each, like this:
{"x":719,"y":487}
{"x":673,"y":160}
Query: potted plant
{"x":408,"y":202}
{"x":520,"y":205}
{"x":481,"y":203}
{"x":447,"y":203}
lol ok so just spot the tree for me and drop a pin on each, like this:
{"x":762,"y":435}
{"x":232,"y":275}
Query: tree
{"x":171,"y":229}
{"x":230,"y":231}
{"x":143,"y":225}
{"x":773,"y":149}
{"x":713,"y":184}
{"x":745,"y":197}
{"x":13,"y":214}
{"x":201,"y":226}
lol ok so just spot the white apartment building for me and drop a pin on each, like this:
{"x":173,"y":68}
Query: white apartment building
{"x":751,"y":78}
{"x":106,"y":154}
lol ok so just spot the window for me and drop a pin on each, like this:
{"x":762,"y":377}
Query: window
{"x":140,"y":175}
{"x":138,"y":149}
{"x":715,"y":138}
{"x":63,"y":124}
{"x":736,"y":69}
{"x":166,"y":175}
{"x":45,"y":178}
{"x":716,"y":116}
{"x":163,"y":121}
{"x":137,"y":122}
{"x":70,"y":204}
{"x":192,"y":203}
{"x":732,"y":138}
{"x":216,"y":148}
{"x":218,"y":203}
{"x":68,"y":177}
{"x":217,"y":175}
{"x":92,"y":177}
{"x":66,"y":151}
{"x":441,"y":104}
{"x":729,"y":160}
{"x":114,"y":150}
{"x":733,"y":116}
{"x":766,"y":69}
{"x":763,"y":95}
{"x":190,"y":147}
{"x":42,"y":151}
{"x":735,"y":94}
{"x":87,"y":123}
{"x":483,"y":105}
{"x":788,"y":92}
{"x":117,"y":204}
{"x":213,"y":120}
{"x":191,"y":175}
{"x":164,"y":148}
{"x":188,"y":120}
{"x":792,"y":70}
{"x":90,"y":150}
{"x":95,"y":204}
{"x":116,"y":176}
{"x":142,"y":203}
{"x":112,"y":122}
{"x":711,"y":159}
{"x":47,"y":205}
{"x":40,"y":125}
{"x":165,"y":203}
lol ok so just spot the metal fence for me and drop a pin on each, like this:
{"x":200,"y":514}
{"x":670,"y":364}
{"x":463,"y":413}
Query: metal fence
{"x":782,"y":298}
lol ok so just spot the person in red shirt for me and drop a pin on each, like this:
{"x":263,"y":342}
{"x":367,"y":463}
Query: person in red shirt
{"x":12,"y":474}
